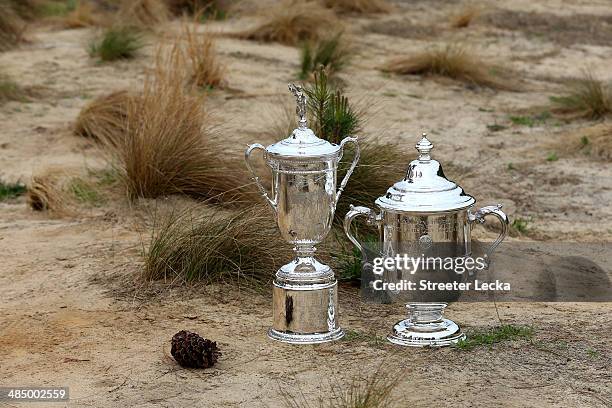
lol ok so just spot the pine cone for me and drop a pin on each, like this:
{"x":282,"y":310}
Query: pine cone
{"x":191,"y":350}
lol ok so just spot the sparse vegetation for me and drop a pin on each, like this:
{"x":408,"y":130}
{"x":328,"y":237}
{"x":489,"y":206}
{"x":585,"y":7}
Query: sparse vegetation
{"x":519,"y":225}
{"x":349,"y":263}
{"x":11,"y":26}
{"x":465,"y":16}
{"x":10,"y":190}
{"x":169,"y":147}
{"x":105,"y":118}
{"x":291,"y":23}
{"x":595,"y":141}
{"x":330,"y":53}
{"x":453,"y":61}
{"x":206,"y":69}
{"x":496,"y":127}
{"x":592,"y":353}
{"x":85,"y":191}
{"x":494,"y":335}
{"x":530,"y":120}
{"x":56,"y":8}
{"x":586,"y":97}
{"x":116,"y":43}
{"x":371,"y":339}
{"x":359,"y":6}
{"x":83,"y":15}
{"x":10,"y":90}
{"x":552,"y":157}
{"x":25,"y":9}
{"x":217,"y":9}
{"x":370,"y":391}
{"x":211,"y":247}
{"x":143,"y":14}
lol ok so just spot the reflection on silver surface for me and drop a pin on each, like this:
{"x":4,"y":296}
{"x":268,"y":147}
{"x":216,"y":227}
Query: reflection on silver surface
{"x":425,"y":214}
{"x":304,"y":197}
{"x":425,"y":326}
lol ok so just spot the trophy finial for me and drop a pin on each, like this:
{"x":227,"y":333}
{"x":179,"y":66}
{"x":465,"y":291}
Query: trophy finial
{"x":424,"y":147}
{"x":300,"y":98}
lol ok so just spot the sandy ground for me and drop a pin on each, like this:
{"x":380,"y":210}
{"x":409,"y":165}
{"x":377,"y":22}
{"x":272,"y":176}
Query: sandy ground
{"x":69,"y":312}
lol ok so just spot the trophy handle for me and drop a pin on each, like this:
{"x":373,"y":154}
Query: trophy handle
{"x":352,"y":214}
{"x":353,"y":165}
{"x":494,"y":210}
{"x":262,"y":189}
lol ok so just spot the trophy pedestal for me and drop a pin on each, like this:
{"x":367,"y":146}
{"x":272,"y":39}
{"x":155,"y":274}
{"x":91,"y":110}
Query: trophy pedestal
{"x":305,"y":304}
{"x":425,"y":327}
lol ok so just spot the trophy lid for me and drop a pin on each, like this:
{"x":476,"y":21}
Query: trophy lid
{"x":302,"y":143}
{"x":425,"y":188}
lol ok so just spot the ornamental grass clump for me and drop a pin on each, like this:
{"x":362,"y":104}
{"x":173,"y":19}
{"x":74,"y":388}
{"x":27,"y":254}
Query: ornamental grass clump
{"x":330,"y":53}
{"x":45,"y":192}
{"x":116,"y":43}
{"x":200,"y":48}
{"x":452,"y":61}
{"x":587,"y":97}
{"x":293,"y":22}
{"x":105,"y":118}
{"x":170,"y":145}
{"x":215,"y":246}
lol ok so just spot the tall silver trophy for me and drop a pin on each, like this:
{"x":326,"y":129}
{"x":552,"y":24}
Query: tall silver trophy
{"x":426,"y":215}
{"x":304,"y":198}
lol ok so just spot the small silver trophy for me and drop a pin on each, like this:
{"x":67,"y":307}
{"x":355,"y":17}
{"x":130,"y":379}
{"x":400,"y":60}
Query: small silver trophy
{"x":304,"y":198}
{"x":425,"y":213}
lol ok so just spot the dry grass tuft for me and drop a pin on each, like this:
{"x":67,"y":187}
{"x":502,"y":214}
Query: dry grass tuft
{"x":25,"y":9}
{"x":170,"y":147}
{"x":217,"y":9}
{"x":192,"y":245}
{"x":11,"y":26}
{"x":365,"y":391}
{"x":586,"y":97}
{"x":452,"y":61}
{"x":465,"y":17}
{"x":46,"y":193}
{"x":599,"y":143}
{"x":293,"y":22}
{"x":200,"y":48}
{"x":105,"y":118}
{"x":144,"y":14}
{"x":84,"y":15}
{"x":594,"y":141}
{"x":359,"y":6}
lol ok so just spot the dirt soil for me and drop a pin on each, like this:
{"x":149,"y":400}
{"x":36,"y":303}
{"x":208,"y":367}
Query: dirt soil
{"x":73,"y":313}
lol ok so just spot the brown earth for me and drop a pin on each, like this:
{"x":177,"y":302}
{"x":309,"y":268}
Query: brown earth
{"x":73,"y":312}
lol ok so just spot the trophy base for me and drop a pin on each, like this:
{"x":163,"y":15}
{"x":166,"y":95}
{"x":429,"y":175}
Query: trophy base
{"x":425,"y":327}
{"x":305,"y":312}
{"x":313,"y":338}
